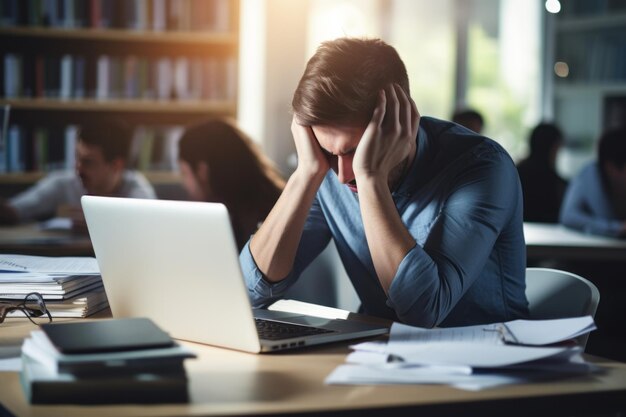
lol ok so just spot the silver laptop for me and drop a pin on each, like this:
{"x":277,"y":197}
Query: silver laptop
{"x":176,"y":262}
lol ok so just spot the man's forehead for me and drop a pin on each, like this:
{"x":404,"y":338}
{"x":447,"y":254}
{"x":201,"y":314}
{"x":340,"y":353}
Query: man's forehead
{"x":338,"y":139}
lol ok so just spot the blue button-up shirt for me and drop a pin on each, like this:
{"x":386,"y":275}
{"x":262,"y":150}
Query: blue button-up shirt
{"x":462,"y":202}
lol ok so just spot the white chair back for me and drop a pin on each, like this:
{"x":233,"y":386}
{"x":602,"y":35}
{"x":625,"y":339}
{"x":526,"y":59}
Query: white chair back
{"x":553,"y":293}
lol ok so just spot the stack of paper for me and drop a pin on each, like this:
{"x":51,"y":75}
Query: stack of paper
{"x":472,"y":357}
{"x":70,"y":286}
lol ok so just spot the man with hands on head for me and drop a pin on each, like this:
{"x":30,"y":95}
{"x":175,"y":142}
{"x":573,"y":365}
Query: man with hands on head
{"x":426,"y":215}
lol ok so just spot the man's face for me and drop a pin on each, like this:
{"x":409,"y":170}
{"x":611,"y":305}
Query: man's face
{"x":99,"y":177}
{"x":339,"y":143}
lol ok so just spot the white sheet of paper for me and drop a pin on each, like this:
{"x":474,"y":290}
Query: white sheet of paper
{"x":545,"y":332}
{"x":487,"y":334}
{"x":11,"y":364}
{"x":367,"y":358}
{"x":49,"y":264}
{"x":476,"y":355}
{"x":367,"y":375}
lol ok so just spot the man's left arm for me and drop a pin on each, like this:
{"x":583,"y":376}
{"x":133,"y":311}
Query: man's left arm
{"x":388,"y":140}
{"x":424,"y":284}
{"x":483,"y":204}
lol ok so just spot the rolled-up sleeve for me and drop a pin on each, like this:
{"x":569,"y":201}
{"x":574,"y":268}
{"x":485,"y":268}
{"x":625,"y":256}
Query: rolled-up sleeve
{"x":315,"y":237}
{"x":432,"y":278}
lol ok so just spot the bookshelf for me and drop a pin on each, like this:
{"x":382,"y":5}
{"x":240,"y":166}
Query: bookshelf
{"x":154,"y":63}
{"x":590,"y":38}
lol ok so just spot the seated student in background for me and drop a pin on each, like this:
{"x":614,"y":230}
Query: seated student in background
{"x":595,"y":200}
{"x":101,"y":152}
{"x":542,"y":186}
{"x":427,"y":219}
{"x":469,"y":118}
{"x":219,"y":163}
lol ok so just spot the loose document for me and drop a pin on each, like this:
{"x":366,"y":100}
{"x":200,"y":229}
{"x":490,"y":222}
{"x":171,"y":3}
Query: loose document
{"x":470,"y":357}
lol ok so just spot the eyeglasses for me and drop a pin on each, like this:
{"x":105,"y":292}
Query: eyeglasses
{"x":33,"y":307}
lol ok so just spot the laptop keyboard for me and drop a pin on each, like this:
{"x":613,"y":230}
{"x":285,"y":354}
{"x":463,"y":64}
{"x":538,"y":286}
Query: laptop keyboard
{"x":275,"y":330}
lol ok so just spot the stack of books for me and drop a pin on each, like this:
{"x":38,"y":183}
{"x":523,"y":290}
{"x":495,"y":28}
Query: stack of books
{"x":70,"y":286}
{"x":65,"y":295}
{"x":103,"y":362}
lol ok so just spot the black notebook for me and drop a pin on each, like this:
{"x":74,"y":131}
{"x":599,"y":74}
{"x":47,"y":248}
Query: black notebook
{"x":41,"y":386}
{"x":111,"y":335}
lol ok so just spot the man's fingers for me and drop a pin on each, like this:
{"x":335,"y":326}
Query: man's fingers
{"x":379,"y":110}
{"x":392,"y":110}
{"x":404,"y":111}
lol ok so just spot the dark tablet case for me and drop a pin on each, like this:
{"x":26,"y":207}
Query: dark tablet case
{"x":111,"y":335}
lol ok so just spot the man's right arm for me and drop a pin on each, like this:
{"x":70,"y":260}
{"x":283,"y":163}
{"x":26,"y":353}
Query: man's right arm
{"x":275,"y":244}
{"x":41,"y":199}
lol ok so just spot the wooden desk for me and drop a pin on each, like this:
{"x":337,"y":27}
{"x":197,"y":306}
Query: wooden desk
{"x":28,"y":239}
{"x":556,"y":242}
{"x":224,"y":382}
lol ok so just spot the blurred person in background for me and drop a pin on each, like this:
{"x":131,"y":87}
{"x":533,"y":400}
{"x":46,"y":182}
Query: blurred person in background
{"x":219,"y":163}
{"x":595,"y":200}
{"x":542,"y":186}
{"x":469,"y":118}
{"x":102,"y":151}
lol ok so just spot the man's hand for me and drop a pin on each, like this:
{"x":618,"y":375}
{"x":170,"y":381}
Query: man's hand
{"x":274,"y":246}
{"x":389,"y":137}
{"x":311,"y":159}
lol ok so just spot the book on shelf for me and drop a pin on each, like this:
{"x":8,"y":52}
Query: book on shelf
{"x":155,"y":148}
{"x":105,"y":77}
{"x":103,"y":361}
{"x":39,"y":148}
{"x":176,"y":15}
{"x":53,"y":148}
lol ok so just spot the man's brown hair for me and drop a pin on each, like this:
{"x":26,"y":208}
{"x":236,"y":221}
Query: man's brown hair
{"x":342,"y":80}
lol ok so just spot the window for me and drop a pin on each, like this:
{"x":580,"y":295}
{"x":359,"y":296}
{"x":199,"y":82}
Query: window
{"x":504,"y":69}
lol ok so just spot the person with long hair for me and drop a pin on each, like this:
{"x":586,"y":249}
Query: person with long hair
{"x":220,"y":163}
